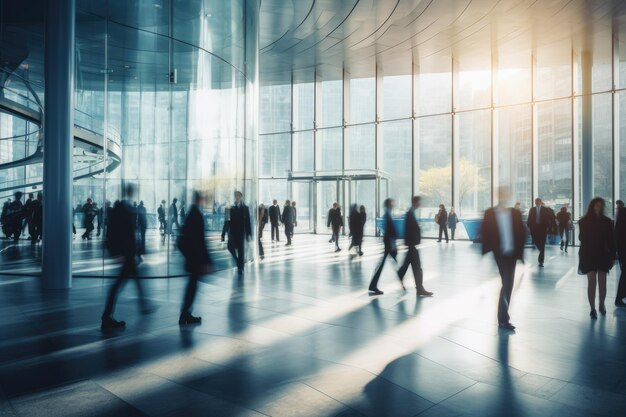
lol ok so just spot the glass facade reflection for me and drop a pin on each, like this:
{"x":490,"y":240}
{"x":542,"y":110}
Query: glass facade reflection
{"x":455,"y":128}
{"x":165,"y":99}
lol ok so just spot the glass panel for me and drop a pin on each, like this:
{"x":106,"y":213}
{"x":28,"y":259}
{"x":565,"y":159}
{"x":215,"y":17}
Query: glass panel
{"x":362,"y":100}
{"x":397,"y":160}
{"x":303,"y":105}
{"x":514,"y":149}
{"x":275,"y":108}
{"x":330,"y":103}
{"x":329,"y":152}
{"x":554,"y":153}
{"x":433,"y":84}
{"x":553,"y":66}
{"x":274,"y":155}
{"x":270,"y":190}
{"x":433,"y":166}
{"x":326,"y":196}
{"x":602,"y":132}
{"x":512,"y":76}
{"x":397,"y":99}
{"x":361,"y":144}
{"x":473,"y":172}
{"x":621,"y":142}
{"x":303,"y":151}
{"x":473,"y":80}
{"x":301,"y":194}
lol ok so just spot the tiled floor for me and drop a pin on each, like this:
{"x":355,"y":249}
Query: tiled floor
{"x":298,"y":335}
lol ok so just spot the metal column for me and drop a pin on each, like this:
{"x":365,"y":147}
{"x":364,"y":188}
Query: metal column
{"x":58,"y":144}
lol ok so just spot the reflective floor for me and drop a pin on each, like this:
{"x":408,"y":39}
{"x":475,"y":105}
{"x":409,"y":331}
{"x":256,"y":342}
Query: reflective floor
{"x":298,"y":335}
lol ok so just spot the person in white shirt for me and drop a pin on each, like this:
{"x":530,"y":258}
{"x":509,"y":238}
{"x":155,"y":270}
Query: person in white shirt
{"x":503,"y":234}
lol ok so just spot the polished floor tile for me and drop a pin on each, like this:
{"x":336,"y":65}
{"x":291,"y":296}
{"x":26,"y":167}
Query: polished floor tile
{"x":299,"y":335}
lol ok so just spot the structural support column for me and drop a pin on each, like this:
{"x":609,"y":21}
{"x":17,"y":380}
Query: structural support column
{"x":587,"y":129}
{"x":58,"y":144}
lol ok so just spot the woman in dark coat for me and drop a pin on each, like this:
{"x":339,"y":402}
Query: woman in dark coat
{"x":357,"y":224}
{"x":452,"y":222}
{"x":192,"y":244}
{"x":597,"y":252}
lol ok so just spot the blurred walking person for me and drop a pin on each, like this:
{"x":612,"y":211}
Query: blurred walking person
{"x":503,"y":234}
{"x":565,"y":220}
{"x":288,"y":221}
{"x":453,"y":220}
{"x":412,"y":238}
{"x":161,"y":216}
{"x":122,"y":243}
{"x":335,"y":221}
{"x":275,"y":219}
{"x":142,"y":225}
{"x":596,"y":254}
{"x":192,"y":244}
{"x":389,"y":240}
{"x":442,"y":220}
{"x":263,"y":218}
{"x":240,"y":230}
{"x":356,"y":223}
{"x":89,"y":214}
{"x":620,"y":243}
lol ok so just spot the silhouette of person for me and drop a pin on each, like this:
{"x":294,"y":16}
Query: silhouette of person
{"x":443,"y":222}
{"x":620,"y":243}
{"x":597,"y":252}
{"x":538,"y":223}
{"x":412,"y":238}
{"x":173,"y":220}
{"x":263,"y":219}
{"x":162,"y":219}
{"x":503,"y":234}
{"x":15,"y":216}
{"x":288,"y":221}
{"x":240,"y":230}
{"x":4,"y":217}
{"x":226,"y":226}
{"x":295,"y":217}
{"x":99,"y":219}
{"x":335,"y":221}
{"x":193,"y":245}
{"x":389,"y":240}
{"x":564,"y":219}
{"x":356,"y":222}
{"x":329,"y":216}
{"x":122,"y":243}
{"x":183,"y":212}
{"x":89,"y":215}
{"x":28,"y":214}
{"x":275,"y":219}
{"x":37,"y":218}
{"x":142,"y":225}
{"x":453,"y":220}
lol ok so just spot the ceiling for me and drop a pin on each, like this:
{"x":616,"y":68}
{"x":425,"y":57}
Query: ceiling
{"x":357,"y":35}
{"x":331,"y":36}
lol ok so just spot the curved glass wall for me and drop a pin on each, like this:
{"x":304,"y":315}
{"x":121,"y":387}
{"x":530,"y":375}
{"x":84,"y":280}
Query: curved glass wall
{"x":166,"y":100}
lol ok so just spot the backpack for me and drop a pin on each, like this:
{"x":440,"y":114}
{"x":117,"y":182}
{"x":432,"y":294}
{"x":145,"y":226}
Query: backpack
{"x":114,"y":229}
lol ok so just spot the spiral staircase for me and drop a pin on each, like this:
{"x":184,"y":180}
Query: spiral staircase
{"x":19,"y":99}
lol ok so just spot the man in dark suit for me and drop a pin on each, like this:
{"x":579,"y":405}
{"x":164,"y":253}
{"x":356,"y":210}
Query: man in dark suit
{"x":197,"y":260}
{"x":442,"y":217}
{"x":335,"y":221}
{"x":503,"y":234}
{"x":288,"y":221}
{"x":620,"y":241}
{"x":389,"y":239}
{"x":240,"y":230}
{"x":412,"y":238}
{"x":539,"y":218}
{"x":122,"y":242}
{"x":275,"y":219}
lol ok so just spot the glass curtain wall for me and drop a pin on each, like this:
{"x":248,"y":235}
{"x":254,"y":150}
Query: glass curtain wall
{"x":453,"y":129}
{"x":166,"y":100}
